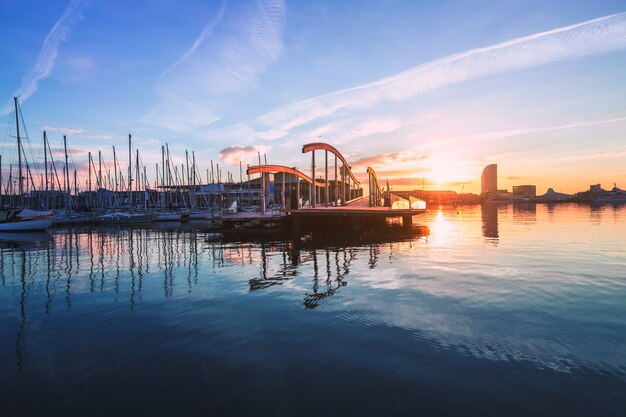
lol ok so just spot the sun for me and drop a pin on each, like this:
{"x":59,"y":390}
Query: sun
{"x":445,"y":172}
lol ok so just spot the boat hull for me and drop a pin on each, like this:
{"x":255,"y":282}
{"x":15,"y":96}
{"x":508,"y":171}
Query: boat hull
{"x":201,"y":216}
{"x":167,"y":217}
{"x":126,"y":219}
{"x":26,"y":225}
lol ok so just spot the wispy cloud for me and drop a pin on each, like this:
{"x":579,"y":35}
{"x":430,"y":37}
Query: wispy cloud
{"x":194,"y":90}
{"x":572,"y":42}
{"x":594,"y":155}
{"x":347,"y":129}
{"x":49,"y":51}
{"x":82,"y":133}
{"x":522,"y":131}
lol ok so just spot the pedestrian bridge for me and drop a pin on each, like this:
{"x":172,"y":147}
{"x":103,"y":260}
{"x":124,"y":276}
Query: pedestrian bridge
{"x":332,"y":189}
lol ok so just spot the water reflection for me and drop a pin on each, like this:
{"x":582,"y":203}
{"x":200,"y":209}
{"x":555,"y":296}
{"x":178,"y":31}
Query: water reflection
{"x":493,"y":302}
{"x":524,"y":213}
{"x":490,"y":221}
{"x":117,"y":261}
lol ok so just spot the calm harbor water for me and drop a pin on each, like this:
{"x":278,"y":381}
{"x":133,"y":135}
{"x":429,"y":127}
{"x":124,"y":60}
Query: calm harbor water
{"x":509,"y":310}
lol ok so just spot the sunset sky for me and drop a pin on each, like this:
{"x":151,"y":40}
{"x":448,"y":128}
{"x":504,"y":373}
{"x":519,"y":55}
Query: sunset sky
{"x":424,"y":92}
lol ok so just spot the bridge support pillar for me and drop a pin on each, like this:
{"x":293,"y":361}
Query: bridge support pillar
{"x":336,"y":185}
{"x":326,"y":191}
{"x":296,"y":226}
{"x":263,"y":193}
{"x":282,"y":192}
{"x":313,"y":179}
{"x":297,"y":192}
{"x":407,"y":221}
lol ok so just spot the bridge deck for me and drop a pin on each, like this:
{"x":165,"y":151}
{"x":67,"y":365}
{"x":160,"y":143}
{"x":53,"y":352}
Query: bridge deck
{"x":355,"y":210}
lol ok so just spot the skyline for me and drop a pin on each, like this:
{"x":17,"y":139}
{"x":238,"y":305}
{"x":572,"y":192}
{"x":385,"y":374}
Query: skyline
{"x":535,"y":88}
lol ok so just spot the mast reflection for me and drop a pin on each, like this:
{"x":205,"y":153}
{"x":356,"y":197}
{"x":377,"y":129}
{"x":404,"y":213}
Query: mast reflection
{"x":60,"y":271}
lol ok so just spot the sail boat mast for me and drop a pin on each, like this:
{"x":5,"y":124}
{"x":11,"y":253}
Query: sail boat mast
{"x":19,"y":149}
{"x":45,"y":159}
{"x":130,"y":172}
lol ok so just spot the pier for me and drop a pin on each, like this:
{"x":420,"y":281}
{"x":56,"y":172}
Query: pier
{"x":334,"y":201}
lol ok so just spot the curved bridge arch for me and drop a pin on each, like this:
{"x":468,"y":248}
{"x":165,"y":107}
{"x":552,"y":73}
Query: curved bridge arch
{"x":375,"y":190}
{"x":264,"y":169}
{"x":371,"y":172}
{"x":316,"y":146}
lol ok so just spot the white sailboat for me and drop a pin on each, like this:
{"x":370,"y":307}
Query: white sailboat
{"x":22,"y":219}
{"x":25,"y":220}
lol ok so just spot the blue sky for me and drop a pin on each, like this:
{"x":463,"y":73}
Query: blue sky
{"x":422,"y":91}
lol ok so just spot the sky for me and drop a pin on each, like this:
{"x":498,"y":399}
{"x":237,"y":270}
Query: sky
{"x":426,"y":93}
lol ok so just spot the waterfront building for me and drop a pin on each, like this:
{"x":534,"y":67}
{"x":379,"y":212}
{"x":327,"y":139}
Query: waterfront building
{"x":525,"y":191}
{"x":489,"y":180}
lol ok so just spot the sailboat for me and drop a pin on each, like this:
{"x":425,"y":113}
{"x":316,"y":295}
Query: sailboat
{"x":25,"y":220}
{"x":22,"y":219}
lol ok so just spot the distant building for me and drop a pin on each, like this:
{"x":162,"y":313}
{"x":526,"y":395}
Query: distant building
{"x":596,"y":188}
{"x":552,"y":196}
{"x":525,"y":190}
{"x":489,"y":179}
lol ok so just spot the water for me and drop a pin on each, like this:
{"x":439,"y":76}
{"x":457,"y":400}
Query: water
{"x":507,"y":310}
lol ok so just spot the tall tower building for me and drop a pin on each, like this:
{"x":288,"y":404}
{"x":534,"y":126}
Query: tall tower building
{"x":489,"y":179}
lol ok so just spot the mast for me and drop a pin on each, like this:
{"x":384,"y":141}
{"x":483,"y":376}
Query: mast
{"x":90,"y":199}
{"x":100,"y":185}
{"x":10,"y":185}
{"x":187,"y":182}
{"x":193,"y":178}
{"x":100,"y":170}
{"x":145,"y":189}
{"x":137,"y":176}
{"x":19,"y":149}
{"x":115,"y":169}
{"x":45,"y":163}
{"x":75,"y":189}
{"x":169,"y":175}
{"x":1,"y":205}
{"x":68,"y":186}
{"x":130,"y":172}
{"x":156,"y":184}
{"x":163,"y":184}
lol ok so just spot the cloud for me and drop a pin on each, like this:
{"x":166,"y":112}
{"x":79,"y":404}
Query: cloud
{"x":388,"y":158}
{"x":244,"y":154}
{"x":344,"y":130}
{"x":576,"y":41}
{"x":48,"y":54}
{"x":194,"y":90}
{"x":82,"y":133}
